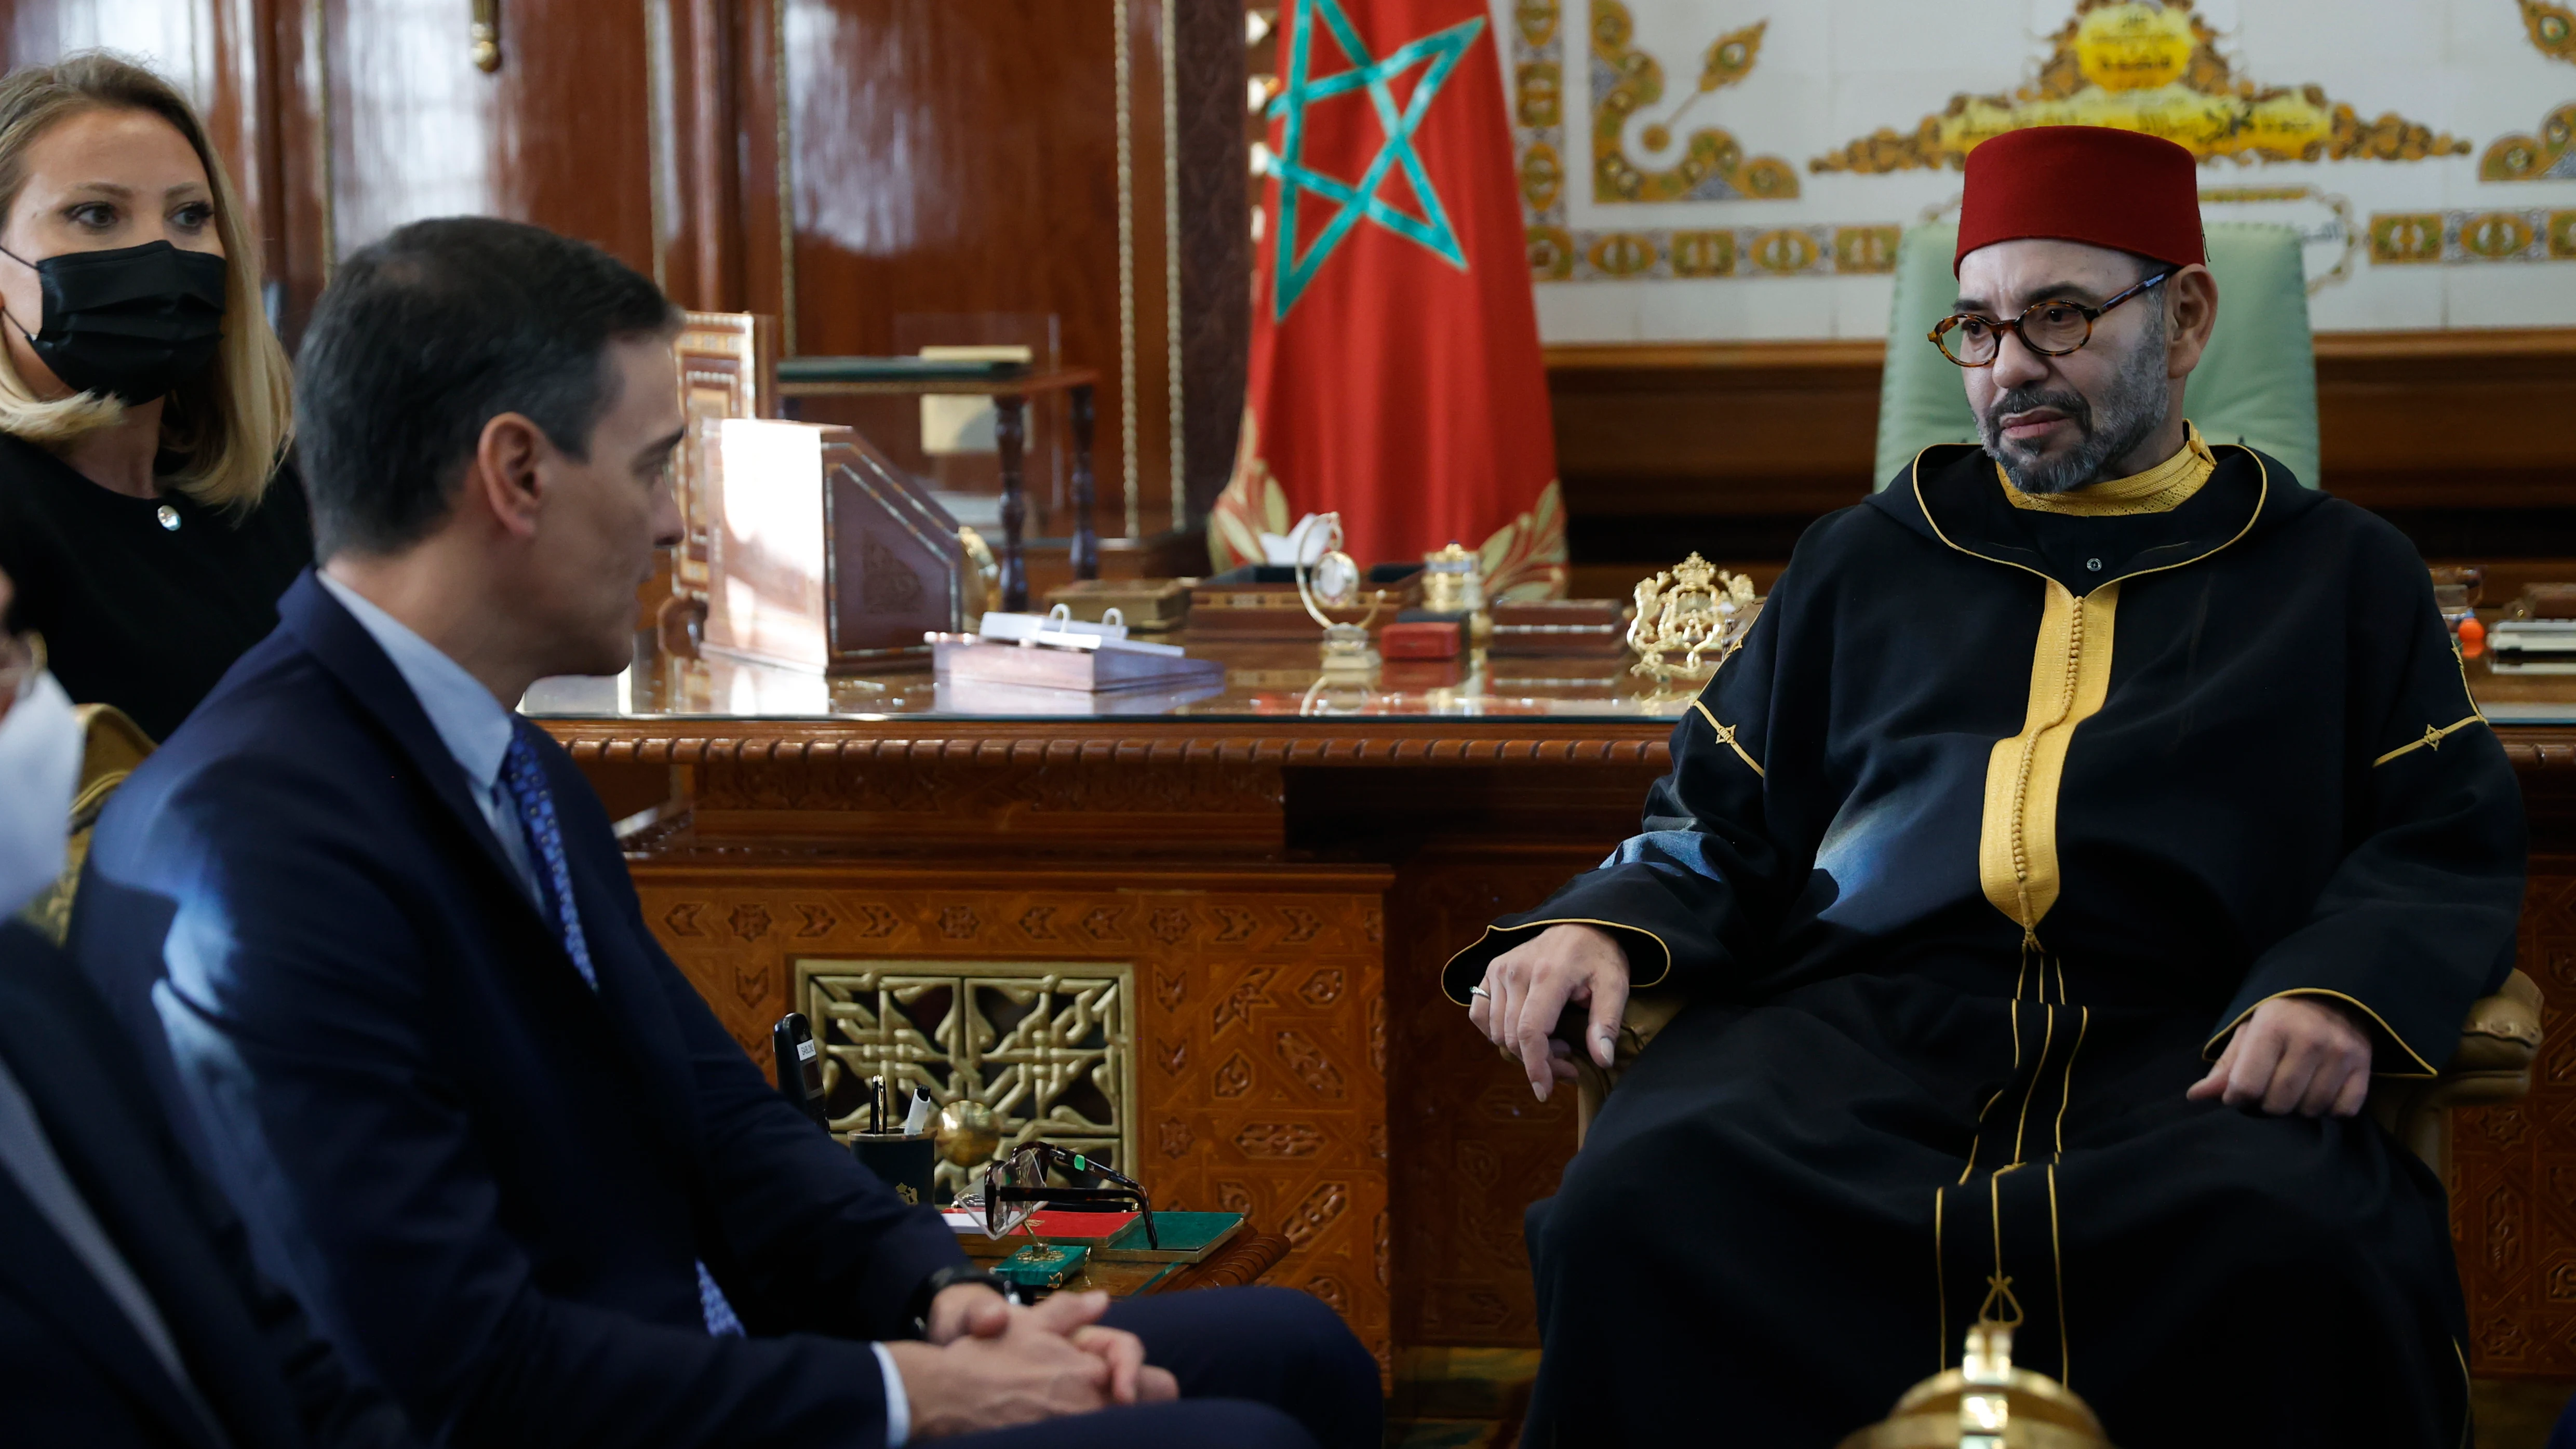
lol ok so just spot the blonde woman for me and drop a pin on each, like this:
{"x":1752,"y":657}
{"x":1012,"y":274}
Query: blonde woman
{"x":143,"y":398}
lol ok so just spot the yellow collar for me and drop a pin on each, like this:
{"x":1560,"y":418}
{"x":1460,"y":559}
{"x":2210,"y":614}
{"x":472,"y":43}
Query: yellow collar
{"x":2160,"y":489}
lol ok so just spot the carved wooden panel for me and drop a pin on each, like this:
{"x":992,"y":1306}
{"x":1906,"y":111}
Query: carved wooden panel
{"x":1049,"y":1046}
{"x":1051,"y":799}
{"x":2513,"y":1169}
{"x":1259,"y":1014}
{"x":1473,"y":1146}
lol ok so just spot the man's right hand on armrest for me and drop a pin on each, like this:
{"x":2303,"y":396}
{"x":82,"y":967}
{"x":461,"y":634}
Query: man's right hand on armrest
{"x":1527,"y":988}
{"x":1024,"y":1365}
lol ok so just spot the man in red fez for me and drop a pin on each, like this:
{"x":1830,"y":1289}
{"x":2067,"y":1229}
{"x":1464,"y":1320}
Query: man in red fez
{"x":2089,"y":819}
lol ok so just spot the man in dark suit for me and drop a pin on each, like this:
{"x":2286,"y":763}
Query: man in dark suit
{"x":129,"y":1311}
{"x":473,"y":1112}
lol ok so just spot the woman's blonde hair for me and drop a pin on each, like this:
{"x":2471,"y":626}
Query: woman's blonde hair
{"x":228,"y":424}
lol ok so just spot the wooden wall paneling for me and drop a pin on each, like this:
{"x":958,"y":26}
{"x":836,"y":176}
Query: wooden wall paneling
{"x":1473,"y":1147}
{"x":1731,"y":447}
{"x":2466,"y":418}
{"x":765,"y":160}
{"x":1215,"y":241}
{"x":297,"y":196}
{"x":1261,"y":1024}
{"x":699,"y":119}
{"x":962,"y":158}
{"x":559,"y":135}
{"x":2512,"y":1169}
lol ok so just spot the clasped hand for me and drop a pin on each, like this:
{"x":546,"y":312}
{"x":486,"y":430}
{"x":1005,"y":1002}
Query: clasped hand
{"x":2302,"y":1054}
{"x":988,"y":1364}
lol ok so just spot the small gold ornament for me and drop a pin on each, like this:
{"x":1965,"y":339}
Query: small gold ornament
{"x":1451,"y":583}
{"x":1696,"y":610}
{"x":967,"y":1133}
{"x":1333,"y":581}
{"x":1986,"y":1403}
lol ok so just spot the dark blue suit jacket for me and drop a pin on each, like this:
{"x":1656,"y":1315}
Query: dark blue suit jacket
{"x":489,"y":1183}
{"x":72,"y":1368}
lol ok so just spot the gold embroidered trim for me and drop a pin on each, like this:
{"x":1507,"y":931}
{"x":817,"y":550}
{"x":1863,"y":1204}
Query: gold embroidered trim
{"x":1940,"y":1285}
{"x":2070,"y":677}
{"x":2057,"y":1264}
{"x":1728,"y":735}
{"x":2262,"y":495}
{"x":2047,"y":1039}
{"x":2432,"y":739}
{"x":1660,"y":943}
{"x":2209,"y":1048}
{"x":2160,"y":489}
{"x":2066,"y":1093}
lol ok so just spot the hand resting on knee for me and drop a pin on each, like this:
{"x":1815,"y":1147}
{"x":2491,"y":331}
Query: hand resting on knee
{"x":1528,"y":987}
{"x":990,"y":1365}
{"x":2303,"y":1054}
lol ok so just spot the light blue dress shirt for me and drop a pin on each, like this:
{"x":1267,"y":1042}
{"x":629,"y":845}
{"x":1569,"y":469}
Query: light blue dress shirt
{"x":476,"y":730}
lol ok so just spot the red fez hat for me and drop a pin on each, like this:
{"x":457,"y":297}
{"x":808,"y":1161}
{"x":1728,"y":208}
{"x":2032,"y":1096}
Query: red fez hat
{"x":2121,"y":189}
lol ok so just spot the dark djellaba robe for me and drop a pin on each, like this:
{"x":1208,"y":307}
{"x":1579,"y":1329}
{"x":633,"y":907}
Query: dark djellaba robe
{"x":2211,"y":755}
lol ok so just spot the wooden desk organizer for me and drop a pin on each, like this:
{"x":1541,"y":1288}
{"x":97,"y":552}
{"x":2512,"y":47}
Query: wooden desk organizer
{"x":822,"y":555}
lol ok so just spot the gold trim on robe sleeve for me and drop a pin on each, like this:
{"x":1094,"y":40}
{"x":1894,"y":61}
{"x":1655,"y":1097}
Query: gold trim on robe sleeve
{"x":2209,"y":1048}
{"x":1614,"y":926}
{"x":1728,"y":735}
{"x":2431,"y":739}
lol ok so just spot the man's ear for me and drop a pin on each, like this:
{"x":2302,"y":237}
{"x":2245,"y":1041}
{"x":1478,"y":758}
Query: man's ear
{"x":508,"y":472}
{"x":2191,"y":297}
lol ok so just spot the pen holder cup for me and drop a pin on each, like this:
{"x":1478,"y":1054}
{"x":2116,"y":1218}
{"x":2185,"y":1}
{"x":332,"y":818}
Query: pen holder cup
{"x":904,"y":1161}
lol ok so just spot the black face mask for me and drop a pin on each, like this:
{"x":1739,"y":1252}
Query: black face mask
{"x":135,"y":322}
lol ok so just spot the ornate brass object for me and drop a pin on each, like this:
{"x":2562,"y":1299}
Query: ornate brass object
{"x":1333,"y":581}
{"x":1451,"y":583}
{"x":1030,"y":1050}
{"x":967,"y":1133}
{"x":1986,"y":1403}
{"x":1694,"y":610}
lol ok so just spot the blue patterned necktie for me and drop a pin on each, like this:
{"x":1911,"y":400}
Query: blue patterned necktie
{"x":527,"y":782}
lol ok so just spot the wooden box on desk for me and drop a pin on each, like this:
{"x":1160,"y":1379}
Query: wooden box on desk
{"x":822,"y":555}
{"x":1260,"y":601}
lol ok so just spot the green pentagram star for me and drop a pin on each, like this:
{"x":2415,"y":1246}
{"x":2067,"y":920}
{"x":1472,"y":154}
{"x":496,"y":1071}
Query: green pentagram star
{"x":1360,"y":201}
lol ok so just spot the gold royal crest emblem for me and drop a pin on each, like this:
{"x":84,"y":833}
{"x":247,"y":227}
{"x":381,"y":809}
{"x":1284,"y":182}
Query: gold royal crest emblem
{"x":1695,"y":610}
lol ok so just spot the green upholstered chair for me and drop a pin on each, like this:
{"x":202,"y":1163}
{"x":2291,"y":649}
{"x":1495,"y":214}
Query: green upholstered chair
{"x":2257,"y":384}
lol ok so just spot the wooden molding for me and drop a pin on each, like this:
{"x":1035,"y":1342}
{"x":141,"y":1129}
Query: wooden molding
{"x":1869,"y":352}
{"x":2443,"y":345}
{"x":1002,"y":743}
{"x":1709,"y":439}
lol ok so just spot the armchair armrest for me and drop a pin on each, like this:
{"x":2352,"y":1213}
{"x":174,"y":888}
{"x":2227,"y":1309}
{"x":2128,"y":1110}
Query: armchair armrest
{"x":2498,"y":1044}
{"x":1648,"y":1012}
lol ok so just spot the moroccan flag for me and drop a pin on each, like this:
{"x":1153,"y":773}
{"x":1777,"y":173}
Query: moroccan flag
{"x":1395,"y":364}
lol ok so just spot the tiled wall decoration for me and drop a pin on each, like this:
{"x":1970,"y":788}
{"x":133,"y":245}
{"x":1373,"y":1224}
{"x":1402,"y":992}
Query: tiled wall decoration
{"x":1751,"y":163}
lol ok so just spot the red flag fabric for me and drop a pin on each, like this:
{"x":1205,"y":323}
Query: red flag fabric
{"x":1395,"y":375}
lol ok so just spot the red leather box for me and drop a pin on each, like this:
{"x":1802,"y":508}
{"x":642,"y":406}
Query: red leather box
{"x":1418,"y":641}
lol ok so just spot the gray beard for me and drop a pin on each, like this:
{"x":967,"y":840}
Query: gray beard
{"x":2139,"y":400}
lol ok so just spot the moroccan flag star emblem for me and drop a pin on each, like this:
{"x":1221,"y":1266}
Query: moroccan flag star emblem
{"x":1437,"y":53}
{"x":1404,"y":393}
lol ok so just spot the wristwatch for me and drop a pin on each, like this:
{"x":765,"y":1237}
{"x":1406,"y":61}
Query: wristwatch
{"x":949,"y":1277}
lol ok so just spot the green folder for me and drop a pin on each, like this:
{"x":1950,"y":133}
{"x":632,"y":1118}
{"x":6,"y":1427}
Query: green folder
{"x":1185,"y":1237}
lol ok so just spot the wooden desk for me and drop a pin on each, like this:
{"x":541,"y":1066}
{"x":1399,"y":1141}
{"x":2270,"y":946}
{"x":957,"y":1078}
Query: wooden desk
{"x":1275,"y":872}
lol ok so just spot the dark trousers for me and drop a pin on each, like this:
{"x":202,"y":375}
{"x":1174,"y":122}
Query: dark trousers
{"x":1259,"y":1368}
